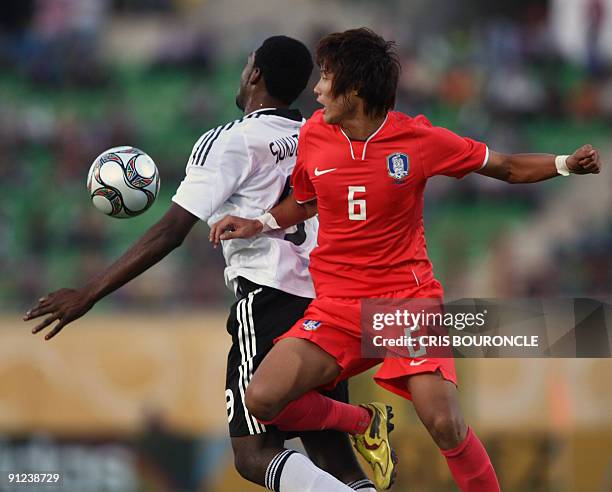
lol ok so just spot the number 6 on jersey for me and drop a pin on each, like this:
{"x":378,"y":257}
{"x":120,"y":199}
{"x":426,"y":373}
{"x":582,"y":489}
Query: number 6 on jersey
{"x":356,"y":207}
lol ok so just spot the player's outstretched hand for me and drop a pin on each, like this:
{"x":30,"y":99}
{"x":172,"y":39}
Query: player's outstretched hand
{"x":232,"y":227}
{"x":64,"y":305}
{"x":584,"y":161}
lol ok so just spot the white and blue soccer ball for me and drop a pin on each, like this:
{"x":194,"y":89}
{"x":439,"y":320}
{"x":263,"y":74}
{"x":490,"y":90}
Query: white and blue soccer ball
{"x":123,"y":182}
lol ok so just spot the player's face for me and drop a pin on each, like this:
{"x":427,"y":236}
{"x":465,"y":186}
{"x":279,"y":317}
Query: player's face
{"x":335,"y":108}
{"x":242,"y":95}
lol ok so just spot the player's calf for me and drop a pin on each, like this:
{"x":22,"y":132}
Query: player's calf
{"x":437,"y":405}
{"x":252,"y":454}
{"x":260,"y":459}
{"x":332,"y":451}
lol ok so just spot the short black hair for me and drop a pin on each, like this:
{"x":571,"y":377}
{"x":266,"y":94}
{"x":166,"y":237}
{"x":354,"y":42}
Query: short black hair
{"x":363,"y":61}
{"x":286,"y":66}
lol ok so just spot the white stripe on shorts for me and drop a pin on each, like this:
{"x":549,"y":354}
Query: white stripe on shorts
{"x":248,"y":349}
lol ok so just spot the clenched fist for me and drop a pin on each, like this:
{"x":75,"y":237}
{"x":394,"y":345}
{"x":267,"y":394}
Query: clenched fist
{"x":584,"y":161}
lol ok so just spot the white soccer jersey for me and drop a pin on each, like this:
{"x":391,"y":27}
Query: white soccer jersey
{"x":243,"y":168}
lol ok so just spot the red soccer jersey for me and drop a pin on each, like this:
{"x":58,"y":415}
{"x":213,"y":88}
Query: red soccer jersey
{"x":370,"y":199}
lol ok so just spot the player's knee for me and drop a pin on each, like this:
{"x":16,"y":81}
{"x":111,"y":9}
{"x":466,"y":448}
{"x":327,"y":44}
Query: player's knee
{"x":260,"y":403}
{"x":447,"y":429}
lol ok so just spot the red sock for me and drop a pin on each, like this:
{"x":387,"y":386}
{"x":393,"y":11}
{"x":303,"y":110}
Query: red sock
{"x":471,"y":467}
{"x":313,"y":411}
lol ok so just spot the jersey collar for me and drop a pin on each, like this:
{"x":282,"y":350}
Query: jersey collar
{"x":291,"y":114}
{"x":365,"y":145}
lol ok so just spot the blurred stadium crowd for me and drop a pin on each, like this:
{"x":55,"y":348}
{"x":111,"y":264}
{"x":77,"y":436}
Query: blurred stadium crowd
{"x":503,"y":77}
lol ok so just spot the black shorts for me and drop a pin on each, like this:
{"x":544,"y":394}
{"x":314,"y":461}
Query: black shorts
{"x":258,"y":316}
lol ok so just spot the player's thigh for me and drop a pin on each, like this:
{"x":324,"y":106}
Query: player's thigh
{"x":293,"y":367}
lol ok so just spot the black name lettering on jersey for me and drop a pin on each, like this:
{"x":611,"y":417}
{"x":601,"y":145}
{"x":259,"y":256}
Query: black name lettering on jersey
{"x":284,"y":147}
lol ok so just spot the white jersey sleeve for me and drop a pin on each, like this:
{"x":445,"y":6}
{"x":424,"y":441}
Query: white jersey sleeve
{"x":218,"y":165}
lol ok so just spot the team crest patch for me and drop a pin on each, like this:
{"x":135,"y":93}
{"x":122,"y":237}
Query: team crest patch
{"x":398,"y":166}
{"x":311,"y":325}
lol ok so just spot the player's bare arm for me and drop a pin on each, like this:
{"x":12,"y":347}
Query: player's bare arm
{"x":67,"y":305}
{"x":286,"y":214}
{"x":531,"y":168}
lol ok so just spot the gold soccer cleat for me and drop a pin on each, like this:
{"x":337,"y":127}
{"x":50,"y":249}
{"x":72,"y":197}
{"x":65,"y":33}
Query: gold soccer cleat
{"x":374,"y":444}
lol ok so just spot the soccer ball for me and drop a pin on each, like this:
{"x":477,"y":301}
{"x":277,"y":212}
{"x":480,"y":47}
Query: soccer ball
{"x":123,"y":182}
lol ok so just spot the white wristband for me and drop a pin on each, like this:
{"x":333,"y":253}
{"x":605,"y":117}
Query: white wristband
{"x":561,"y":165}
{"x":268,"y":221}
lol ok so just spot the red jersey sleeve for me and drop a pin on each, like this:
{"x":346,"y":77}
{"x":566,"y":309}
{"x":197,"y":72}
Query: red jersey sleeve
{"x":303,"y":190}
{"x":449,"y":154}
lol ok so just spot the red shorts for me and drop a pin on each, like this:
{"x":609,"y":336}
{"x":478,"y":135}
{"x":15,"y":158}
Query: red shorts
{"x":334,"y":325}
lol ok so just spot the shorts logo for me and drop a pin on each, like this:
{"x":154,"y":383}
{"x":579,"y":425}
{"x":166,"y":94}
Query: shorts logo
{"x":311,"y":325}
{"x":398,"y":166}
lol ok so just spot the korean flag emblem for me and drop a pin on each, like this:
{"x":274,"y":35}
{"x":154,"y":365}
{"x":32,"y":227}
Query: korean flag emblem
{"x":311,"y":325}
{"x":398,"y":166}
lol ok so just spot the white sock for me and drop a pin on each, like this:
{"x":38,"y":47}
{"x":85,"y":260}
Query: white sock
{"x":290,"y":471}
{"x":363,"y":485}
